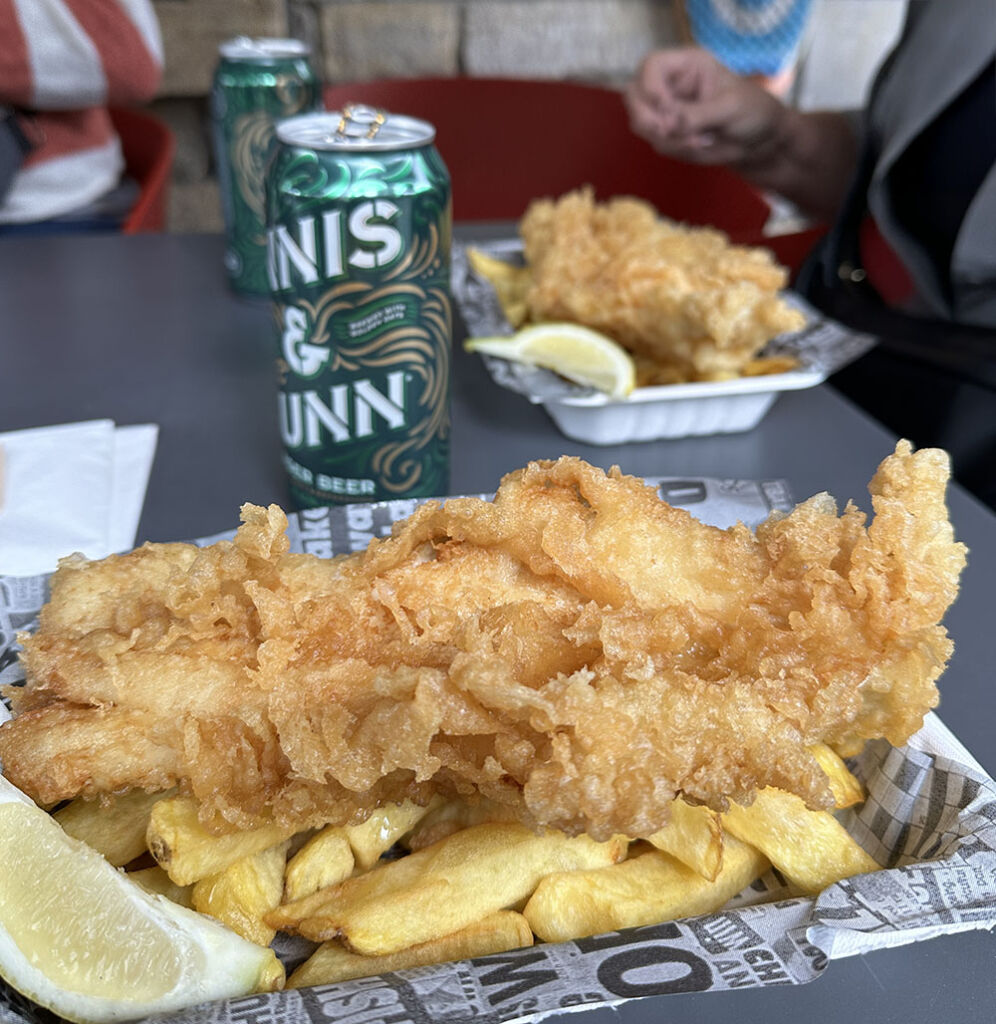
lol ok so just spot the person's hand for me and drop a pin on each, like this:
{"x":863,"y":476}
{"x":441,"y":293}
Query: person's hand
{"x":689,"y":106}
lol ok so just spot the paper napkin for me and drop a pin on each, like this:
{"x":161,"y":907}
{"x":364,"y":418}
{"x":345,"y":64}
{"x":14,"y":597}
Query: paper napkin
{"x":75,"y":487}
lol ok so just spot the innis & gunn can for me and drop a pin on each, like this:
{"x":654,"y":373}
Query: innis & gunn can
{"x":358,"y":256}
{"x":256,"y":82}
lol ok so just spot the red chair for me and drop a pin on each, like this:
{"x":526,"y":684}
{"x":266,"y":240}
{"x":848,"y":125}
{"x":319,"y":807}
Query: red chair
{"x":148,"y":148}
{"x":507,"y":141}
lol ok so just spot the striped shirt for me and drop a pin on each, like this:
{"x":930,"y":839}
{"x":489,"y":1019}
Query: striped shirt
{"x":66,"y":61}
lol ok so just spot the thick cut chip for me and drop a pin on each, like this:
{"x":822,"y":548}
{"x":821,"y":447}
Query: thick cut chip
{"x":846,"y":788}
{"x":382,"y":830}
{"x":77,"y":937}
{"x":325,"y":859}
{"x":810,"y":848}
{"x":650,"y":888}
{"x":762,"y":366}
{"x":441,"y":889}
{"x":496,"y":933}
{"x":448,"y":816}
{"x":242,"y":894}
{"x":510,"y":282}
{"x":694,"y":837}
{"x":188,"y":852}
{"x":113,"y":825}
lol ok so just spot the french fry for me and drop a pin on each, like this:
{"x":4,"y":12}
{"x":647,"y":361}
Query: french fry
{"x":810,"y":848}
{"x":846,"y":788}
{"x":188,"y":852}
{"x":449,"y":816}
{"x":647,"y":889}
{"x":496,"y":933}
{"x":325,"y":859}
{"x":382,"y":830}
{"x":242,"y":894}
{"x":274,"y":978}
{"x":760,"y":366}
{"x":693,"y":836}
{"x":441,"y":889}
{"x":510,"y":282}
{"x":155,"y":880}
{"x":114,"y":826}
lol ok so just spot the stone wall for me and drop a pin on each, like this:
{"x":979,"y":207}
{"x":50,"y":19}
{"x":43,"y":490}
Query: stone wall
{"x":599,"y":40}
{"x":590,"y":40}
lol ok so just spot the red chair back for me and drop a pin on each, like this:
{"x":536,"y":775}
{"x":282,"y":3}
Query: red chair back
{"x":508,"y":141}
{"x":148,"y":148}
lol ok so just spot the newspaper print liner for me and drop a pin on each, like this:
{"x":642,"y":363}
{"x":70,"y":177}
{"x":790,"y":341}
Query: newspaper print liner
{"x":930,"y":820}
{"x":822,"y":347}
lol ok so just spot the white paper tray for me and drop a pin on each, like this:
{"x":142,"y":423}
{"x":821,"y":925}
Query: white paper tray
{"x":674,"y":410}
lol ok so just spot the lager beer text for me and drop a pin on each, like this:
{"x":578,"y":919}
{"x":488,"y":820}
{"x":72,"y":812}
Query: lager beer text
{"x":353,"y":487}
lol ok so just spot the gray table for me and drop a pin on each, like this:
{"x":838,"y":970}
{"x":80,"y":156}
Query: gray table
{"x":142,"y":329}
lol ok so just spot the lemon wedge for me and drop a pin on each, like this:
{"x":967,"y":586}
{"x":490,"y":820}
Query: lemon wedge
{"x":575,"y":352}
{"x":79,"y":938}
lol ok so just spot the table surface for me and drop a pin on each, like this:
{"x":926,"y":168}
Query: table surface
{"x":142,"y":329}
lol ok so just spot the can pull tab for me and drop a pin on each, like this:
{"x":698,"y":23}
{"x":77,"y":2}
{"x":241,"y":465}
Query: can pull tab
{"x":360,"y":121}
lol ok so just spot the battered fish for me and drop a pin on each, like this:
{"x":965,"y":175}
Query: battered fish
{"x":577,"y":650}
{"x":686,"y":303}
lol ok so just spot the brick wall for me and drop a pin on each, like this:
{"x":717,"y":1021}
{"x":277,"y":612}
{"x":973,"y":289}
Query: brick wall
{"x":589,"y":40}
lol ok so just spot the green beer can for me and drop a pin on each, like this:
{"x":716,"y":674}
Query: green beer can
{"x":358,"y":256}
{"x":256,"y":82}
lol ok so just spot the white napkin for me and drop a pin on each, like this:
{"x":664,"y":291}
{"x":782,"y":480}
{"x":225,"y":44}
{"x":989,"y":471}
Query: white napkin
{"x":76,"y":487}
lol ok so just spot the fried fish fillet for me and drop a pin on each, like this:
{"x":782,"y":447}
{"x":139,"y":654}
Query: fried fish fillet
{"x":686,"y":303}
{"x":575,"y":649}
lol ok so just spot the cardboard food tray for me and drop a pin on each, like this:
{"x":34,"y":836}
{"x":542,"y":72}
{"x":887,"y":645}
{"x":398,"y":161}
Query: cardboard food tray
{"x":651,"y":413}
{"x":930,"y":820}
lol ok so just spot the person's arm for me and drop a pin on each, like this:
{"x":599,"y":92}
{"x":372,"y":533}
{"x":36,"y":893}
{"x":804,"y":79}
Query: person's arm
{"x":691,"y":107}
{"x":71,"y":54}
{"x":811,"y":162}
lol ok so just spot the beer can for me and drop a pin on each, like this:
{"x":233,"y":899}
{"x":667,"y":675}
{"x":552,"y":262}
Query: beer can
{"x":359,"y":215}
{"x":256,"y":82}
